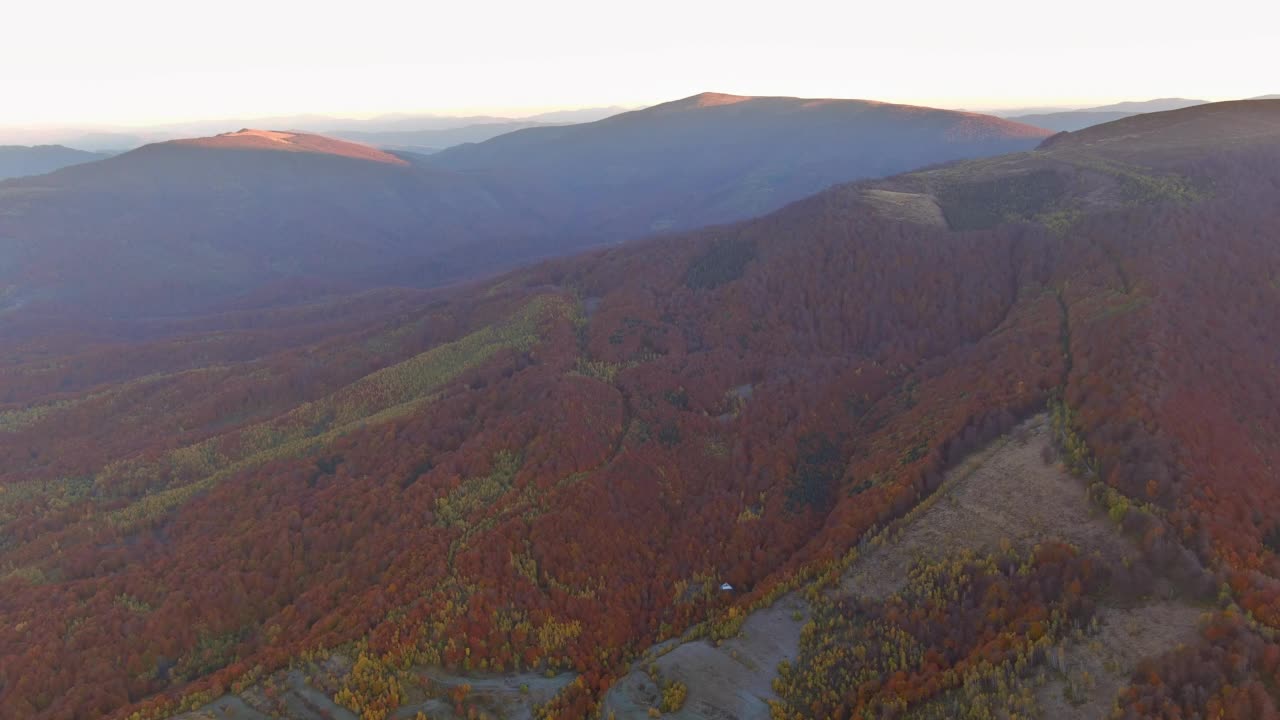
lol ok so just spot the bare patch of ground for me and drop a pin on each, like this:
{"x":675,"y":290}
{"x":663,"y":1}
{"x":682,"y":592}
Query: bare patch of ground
{"x":510,"y":696}
{"x":1004,"y":493}
{"x":907,"y":207}
{"x":729,"y":681}
{"x":1091,"y":670}
{"x":1008,"y":494}
{"x":291,"y":697}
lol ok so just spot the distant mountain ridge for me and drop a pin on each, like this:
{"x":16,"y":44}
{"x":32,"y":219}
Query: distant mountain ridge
{"x":22,"y":160}
{"x":275,"y":140}
{"x":1069,"y":120}
{"x":436,"y":139}
{"x":118,"y":139}
{"x":714,"y":157}
{"x":183,"y":223}
{"x":1234,"y":122}
{"x":1146,"y":106}
{"x":179,"y":224}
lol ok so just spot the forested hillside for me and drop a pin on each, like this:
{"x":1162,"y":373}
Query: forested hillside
{"x":555,"y":469}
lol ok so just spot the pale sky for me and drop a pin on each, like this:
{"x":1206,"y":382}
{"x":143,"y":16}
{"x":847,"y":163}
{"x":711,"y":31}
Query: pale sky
{"x":137,"y":62}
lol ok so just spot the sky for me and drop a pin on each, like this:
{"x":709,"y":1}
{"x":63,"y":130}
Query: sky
{"x":144,"y":62}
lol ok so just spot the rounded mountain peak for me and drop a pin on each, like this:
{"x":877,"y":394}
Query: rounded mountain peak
{"x":288,"y":141}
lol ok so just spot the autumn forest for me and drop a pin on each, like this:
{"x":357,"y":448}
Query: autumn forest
{"x":550,"y":473}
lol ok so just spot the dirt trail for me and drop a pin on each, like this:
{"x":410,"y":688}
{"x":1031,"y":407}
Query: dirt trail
{"x":510,"y":696}
{"x":730,"y":681}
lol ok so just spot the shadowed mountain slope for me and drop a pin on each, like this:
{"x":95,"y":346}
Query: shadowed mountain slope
{"x":20,"y":160}
{"x":715,"y":158}
{"x":182,"y":225}
{"x":178,"y":225}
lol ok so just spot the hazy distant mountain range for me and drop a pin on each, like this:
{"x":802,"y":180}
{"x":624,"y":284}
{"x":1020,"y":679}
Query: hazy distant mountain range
{"x":423,"y":135}
{"x":434,"y":140}
{"x":20,"y":160}
{"x":1074,"y":118}
{"x":715,"y":158}
{"x":1078,"y":119}
{"x":428,"y":133}
{"x":183,"y":223}
{"x":119,"y":139}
